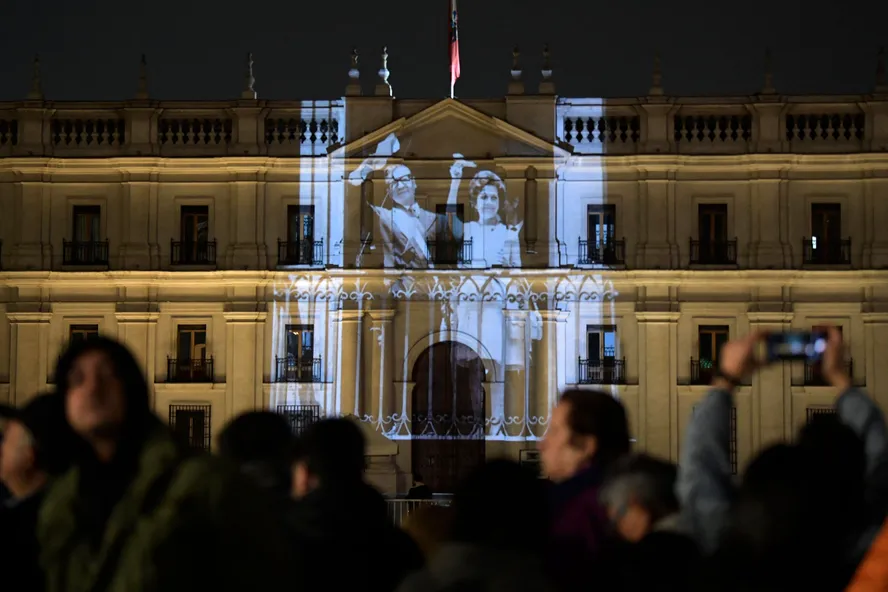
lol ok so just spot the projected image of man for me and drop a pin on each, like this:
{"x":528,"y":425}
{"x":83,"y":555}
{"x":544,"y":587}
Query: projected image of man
{"x":405,"y":228}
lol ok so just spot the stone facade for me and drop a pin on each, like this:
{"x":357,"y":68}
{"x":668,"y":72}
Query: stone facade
{"x":651,"y":230}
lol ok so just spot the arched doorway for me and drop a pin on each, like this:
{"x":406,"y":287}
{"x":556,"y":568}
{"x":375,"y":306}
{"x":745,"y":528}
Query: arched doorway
{"x":448,"y":414}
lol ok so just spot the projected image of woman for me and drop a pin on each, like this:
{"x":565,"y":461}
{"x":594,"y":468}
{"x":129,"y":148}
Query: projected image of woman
{"x":495,"y":232}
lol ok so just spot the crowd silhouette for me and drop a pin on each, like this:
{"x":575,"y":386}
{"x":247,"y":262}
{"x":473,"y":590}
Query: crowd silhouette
{"x":103,"y":498}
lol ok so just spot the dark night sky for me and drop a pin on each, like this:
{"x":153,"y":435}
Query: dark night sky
{"x":90,"y":48}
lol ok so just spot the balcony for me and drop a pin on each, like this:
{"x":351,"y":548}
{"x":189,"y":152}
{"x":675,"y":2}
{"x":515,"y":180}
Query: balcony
{"x":611,"y":252}
{"x":450,"y":252}
{"x":85,"y":253}
{"x":290,"y":369}
{"x":813,"y":377}
{"x":603,"y":371}
{"x":192,"y":252}
{"x":302,"y":252}
{"x":819,"y":252}
{"x":181,"y":370}
{"x":702,"y":371}
{"x":713,"y":252}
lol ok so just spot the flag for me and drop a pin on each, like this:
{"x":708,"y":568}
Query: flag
{"x":454,"y":46}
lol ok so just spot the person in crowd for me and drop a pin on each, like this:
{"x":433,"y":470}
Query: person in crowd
{"x":639,"y":494}
{"x":429,"y":525}
{"x":735,"y":523}
{"x":340,"y":519}
{"x":136,"y":511}
{"x":419,"y":491}
{"x":499,"y":533}
{"x":872,"y":573}
{"x":261,"y":444}
{"x":34,"y":449}
{"x":587,"y":433}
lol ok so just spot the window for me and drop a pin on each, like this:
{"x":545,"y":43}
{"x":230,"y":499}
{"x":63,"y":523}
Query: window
{"x":300,"y":223}
{"x":601,"y":343}
{"x":78,"y":333}
{"x":195,"y":224}
{"x":192,"y":342}
{"x":448,"y":245}
{"x":300,"y":416}
{"x":710,"y":339}
{"x":299,"y":246}
{"x":298,"y":365}
{"x":712,"y":222}
{"x":191,"y":425}
{"x":601,"y":365}
{"x":826,"y":225}
{"x":191,"y":363}
{"x":87,"y":224}
{"x":826,"y":245}
{"x":601,"y":224}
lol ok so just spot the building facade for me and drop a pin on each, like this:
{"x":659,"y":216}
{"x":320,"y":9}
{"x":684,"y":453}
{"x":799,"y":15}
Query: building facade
{"x":441,"y":269}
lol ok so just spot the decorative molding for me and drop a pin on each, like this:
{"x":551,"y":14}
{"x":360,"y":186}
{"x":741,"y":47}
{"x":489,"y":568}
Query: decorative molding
{"x":657,"y":317}
{"x":29,"y":317}
{"x":137,"y":317}
{"x":874,"y":317}
{"x":245,"y":317}
{"x":771,"y":318}
{"x":346,"y":316}
{"x":381,"y":316}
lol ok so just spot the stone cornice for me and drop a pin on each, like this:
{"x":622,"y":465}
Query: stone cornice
{"x":29,"y":317}
{"x":137,"y":317}
{"x":245,"y":317}
{"x":657,"y":317}
{"x":770,"y":317}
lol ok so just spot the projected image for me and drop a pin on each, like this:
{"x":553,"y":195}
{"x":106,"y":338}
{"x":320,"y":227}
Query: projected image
{"x":413,"y":237}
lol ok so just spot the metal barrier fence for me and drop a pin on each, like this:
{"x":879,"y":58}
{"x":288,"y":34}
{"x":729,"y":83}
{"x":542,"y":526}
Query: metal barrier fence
{"x":399,"y":509}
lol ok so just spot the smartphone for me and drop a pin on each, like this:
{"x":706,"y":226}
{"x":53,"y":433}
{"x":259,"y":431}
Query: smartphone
{"x":795,"y":345}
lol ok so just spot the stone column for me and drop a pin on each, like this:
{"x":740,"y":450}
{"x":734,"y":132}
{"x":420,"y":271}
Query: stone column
{"x":544,"y":369}
{"x":657,"y":402}
{"x":29,"y":363}
{"x":348,"y":366}
{"x":381,"y":406}
{"x":771,"y":395}
{"x":515,"y":409}
{"x":530,"y":209}
{"x":138,"y":330}
{"x":245,"y":336}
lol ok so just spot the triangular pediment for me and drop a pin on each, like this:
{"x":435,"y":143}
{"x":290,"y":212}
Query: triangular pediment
{"x":449,"y":127}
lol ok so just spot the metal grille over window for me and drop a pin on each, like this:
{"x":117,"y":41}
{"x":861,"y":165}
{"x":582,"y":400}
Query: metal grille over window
{"x":191,"y":425}
{"x":300,"y":416}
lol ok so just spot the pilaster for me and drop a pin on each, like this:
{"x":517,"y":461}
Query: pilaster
{"x":657,"y":380}
{"x":29,"y":364}
{"x":245,"y":336}
{"x":875,"y":327}
{"x":348,"y":363}
{"x":771,"y":398}
{"x":515,"y":409}
{"x":138,"y":330}
{"x":381,"y":409}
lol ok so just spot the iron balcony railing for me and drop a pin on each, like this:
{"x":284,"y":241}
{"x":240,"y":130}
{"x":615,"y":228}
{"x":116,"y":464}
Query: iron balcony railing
{"x":450,"y":252}
{"x":816,"y":251}
{"x":301,"y":252}
{"x":184,"y":370}
{"x":85,"y":252}
{"x":814,"y":377}
{"x":192,"y":252}
{"x":606,"y":252}
{"x":603,"y":371}
{"x":291,"y":369}
{"x":702,"y":371}
{"x":713,"y":252}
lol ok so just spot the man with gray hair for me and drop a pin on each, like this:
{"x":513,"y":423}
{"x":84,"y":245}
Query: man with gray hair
{"x":651,"y":553}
